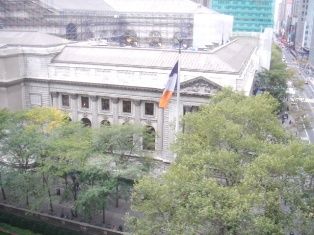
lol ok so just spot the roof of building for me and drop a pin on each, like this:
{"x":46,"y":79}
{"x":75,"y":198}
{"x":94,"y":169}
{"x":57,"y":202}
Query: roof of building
{"x":161,"y":6}
{"x":18,"y":38}
{"x":227,"y":59}
{"x":79,"y":5}
{"x":129,"y":6}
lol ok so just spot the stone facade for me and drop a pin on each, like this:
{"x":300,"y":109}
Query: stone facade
{"x":98,"y":92}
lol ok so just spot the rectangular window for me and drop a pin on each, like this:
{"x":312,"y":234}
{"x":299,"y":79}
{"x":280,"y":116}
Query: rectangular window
{"x":84,"y":102}
{"x":190,"y":109}
{"x":65,"y":100}
{"x":149,"y":108}
{"x":35,"y":99}
{"x":126,"y":106}
{"x":105,"y":104}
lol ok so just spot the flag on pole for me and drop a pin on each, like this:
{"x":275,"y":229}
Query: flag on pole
{"x":169,"y":88}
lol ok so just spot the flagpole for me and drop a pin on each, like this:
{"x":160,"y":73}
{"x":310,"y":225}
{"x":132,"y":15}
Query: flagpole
{"x":178,"y":87}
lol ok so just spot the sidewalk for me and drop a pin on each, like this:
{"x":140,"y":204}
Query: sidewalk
{"x":290,"y":125}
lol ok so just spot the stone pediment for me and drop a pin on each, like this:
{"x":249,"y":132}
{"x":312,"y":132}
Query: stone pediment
{"x":199,"y":86}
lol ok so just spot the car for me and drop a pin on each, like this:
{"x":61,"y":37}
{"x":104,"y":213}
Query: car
{"x":306,"y":81}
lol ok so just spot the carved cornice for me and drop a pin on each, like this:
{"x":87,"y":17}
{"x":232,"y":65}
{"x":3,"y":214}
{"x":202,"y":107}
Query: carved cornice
{"x":74,"y":96}
{"x":199,"y":86}
{"x":115,"y":100}
{"x":94,"y":98}
{"x":54,"y":94}
{"x":137,"y":102}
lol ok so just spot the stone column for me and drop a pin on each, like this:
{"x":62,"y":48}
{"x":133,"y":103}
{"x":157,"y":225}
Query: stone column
{"x":137,"y":111}
{"x":55,"y":99}
{"x":94,"y":109}
{"x":160,"y":128}
{"x":74,"y":106}
{"x":115,"y":110}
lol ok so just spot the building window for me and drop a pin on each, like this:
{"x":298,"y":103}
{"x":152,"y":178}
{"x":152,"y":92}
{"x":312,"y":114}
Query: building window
{"x":85,"y":102}
{"x":190,"y":109}
{"x":65,"y":100}
{"x":149,"y":108}
{"x":126,"y":106}
{"x":35,"y":99}
{"x":86,"y":122}
{"x":105,"y":104}
{"x":105,"y":123}
{"x":149,"y":138}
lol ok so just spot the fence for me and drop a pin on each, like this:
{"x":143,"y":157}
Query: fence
{"x":39,"y":222}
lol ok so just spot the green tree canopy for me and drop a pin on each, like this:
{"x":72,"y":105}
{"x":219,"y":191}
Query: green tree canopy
{"x":275,"y":79}
{"x":237,"y":172}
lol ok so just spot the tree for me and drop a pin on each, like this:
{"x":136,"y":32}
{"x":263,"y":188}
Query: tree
{"x":68,"y":150}
{"x":98,"y":186}
{"x":20,"y":150}
{"x":116,"y":145}
{"x":275,"y":79}
{"x":24,"y":146}
{"x":45,"y":120}
{"x":237,"y":172}
{"x":4,"y":119}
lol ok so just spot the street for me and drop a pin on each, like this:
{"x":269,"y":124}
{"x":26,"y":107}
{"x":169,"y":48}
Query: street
{"x":305,"y":95}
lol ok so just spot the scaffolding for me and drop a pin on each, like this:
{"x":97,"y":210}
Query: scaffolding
{"x":124,"y":29}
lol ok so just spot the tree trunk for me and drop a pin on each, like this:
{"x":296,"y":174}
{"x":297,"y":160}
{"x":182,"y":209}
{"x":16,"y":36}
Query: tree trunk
{"x":45,"y":182}
{"x":66,"y":180}
{"x":50,"y":201}
{"x":222,"y":230}
{"x":3,"y":193}
{"x":117,"y":195}
{"x":2,"y":189}
{"x":45,"y":179}
{"x":103,"y":213}
{"x":27,"y":199}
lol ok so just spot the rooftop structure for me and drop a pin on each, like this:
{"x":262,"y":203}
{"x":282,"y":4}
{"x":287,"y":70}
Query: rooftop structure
{"x":227,"y":59}
{"x":79,"y":5}
{"x":17,"y":38}
{"x":138,"y":23}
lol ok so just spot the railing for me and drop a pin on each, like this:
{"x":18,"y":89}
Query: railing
{"x":79,"y":227}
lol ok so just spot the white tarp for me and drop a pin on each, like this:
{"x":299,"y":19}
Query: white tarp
{"x":211,"y":28}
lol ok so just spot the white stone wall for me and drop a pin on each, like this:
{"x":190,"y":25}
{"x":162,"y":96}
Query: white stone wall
{"x":36,"y":81}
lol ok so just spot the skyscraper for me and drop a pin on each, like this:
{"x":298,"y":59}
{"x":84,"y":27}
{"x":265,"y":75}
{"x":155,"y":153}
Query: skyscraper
{"x":249,"y":15}
{"x":203,"y":2}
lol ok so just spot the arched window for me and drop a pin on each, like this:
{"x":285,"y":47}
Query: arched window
{"x":86,"y":122}
{"x":130,"y":38}
{"x":181,"y":37}
{"x":68,"y":119}
{"x":155,"y":39}
{"x":149,"y":138}
{"x":105,"y":123}
{"x":71,"y":31}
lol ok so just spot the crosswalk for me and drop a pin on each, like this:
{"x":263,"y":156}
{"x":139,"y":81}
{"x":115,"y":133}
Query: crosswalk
{"x":307,"y":100}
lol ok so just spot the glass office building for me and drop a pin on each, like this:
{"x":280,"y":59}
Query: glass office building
{"x":249,"y":15}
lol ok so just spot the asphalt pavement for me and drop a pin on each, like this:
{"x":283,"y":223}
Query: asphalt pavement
{"x":306,"y":95}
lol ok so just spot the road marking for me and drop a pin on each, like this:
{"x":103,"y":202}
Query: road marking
{"x":306,"y":133}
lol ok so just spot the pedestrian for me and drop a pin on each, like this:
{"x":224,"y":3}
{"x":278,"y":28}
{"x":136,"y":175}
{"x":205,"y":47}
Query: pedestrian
{"x":290,"y":122}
